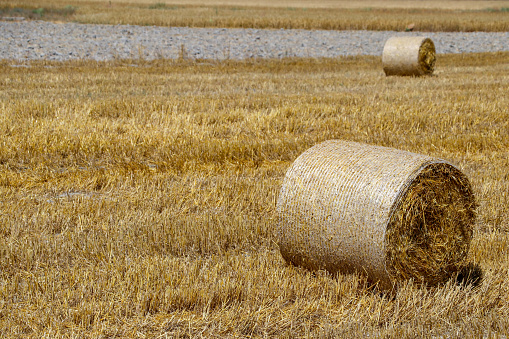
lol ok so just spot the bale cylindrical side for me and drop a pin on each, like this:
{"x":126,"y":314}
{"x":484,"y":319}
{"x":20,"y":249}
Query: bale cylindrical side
{"x":349,"y":207}
{"x":413,"y":56}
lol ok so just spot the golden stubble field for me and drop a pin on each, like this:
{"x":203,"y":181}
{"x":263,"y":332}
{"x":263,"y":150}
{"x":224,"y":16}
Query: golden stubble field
{"x":449,"y":15}
{"x":137,"y":199}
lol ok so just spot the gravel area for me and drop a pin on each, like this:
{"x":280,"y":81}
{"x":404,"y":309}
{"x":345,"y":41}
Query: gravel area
{"x":37,"y":40}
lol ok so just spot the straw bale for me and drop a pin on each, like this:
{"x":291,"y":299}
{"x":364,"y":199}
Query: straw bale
{"x":414,"y":56}
{"x":394,"y":215}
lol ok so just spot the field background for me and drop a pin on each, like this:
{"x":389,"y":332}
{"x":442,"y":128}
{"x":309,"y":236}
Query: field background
{"x":451,"y":15}
{"x":137,"y":199}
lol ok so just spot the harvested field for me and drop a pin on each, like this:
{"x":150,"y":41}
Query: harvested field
{"x":139,"y":198}
{"x":381,"y":15}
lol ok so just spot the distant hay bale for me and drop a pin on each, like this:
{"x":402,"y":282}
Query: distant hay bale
{"x":409,"y":56}
{"x":394,"y":215}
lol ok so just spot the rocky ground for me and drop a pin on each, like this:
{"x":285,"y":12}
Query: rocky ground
{"x":37,"y":40}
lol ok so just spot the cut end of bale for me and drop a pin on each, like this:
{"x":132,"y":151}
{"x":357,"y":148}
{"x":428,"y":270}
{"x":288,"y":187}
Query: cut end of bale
{"x":429,"y":232}
{"x":427,"y":56}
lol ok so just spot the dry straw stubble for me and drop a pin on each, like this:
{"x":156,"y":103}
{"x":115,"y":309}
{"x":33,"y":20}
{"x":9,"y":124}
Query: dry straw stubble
{"x":115,"y":257}
{"x":394,"y":215}
{"x":411,"y":56}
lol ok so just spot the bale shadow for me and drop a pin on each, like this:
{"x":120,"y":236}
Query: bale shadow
{"x":470,"y":274}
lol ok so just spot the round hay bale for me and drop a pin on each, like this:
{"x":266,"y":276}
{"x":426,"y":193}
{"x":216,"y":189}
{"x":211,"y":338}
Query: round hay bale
{"x":409,"y":56}
{"x":394,"y":215}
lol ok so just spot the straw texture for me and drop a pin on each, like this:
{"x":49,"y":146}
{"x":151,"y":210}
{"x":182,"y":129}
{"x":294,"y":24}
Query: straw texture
{"x":413,"y":56}
{"x":392,"y":214}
